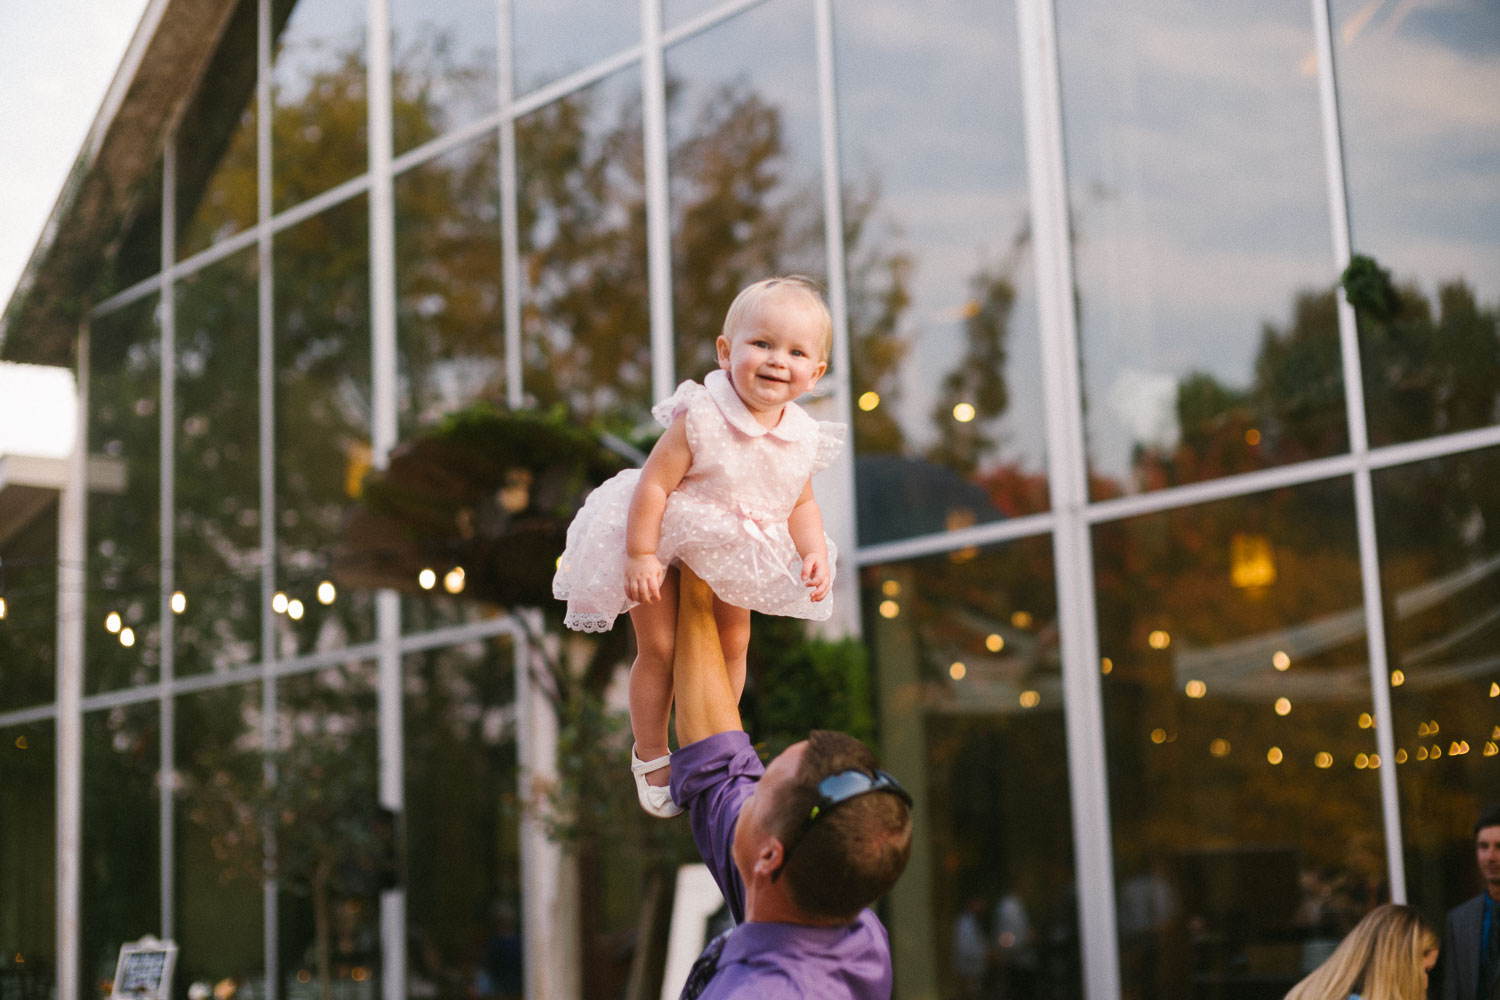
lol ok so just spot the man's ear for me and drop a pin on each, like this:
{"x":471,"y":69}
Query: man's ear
{"x":770,"y":857}
{"x":723,"y":345}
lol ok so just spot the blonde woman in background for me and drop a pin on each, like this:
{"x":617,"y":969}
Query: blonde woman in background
{"x":1386,"y":957}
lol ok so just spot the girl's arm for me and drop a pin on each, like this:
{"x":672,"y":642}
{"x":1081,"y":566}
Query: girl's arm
{"x":664,"y":469}
{"x":806,"y":527}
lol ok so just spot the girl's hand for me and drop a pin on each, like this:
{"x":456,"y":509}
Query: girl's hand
{"x":643,"y":577}
{"x":815,"y":575}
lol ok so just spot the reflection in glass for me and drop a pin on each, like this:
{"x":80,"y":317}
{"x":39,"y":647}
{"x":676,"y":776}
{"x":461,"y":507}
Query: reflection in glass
{"x":745,"y":162}
{"x":336,"y":844}
{"x":1207,"y":327}
{"x":966,"y":649}
{"x":217,"y":489}
{"x":1243,"y":780}
{"x":674,"y":12}
{"x":1439,"y":528}
{"x":449,"y":333}
{"x":122,"y":637}
{"x":120,"y":854}
{"x":216,"y":155}
{"x":219,"y":872}
{"x":946,"y":380}
{"x":584,"y":310}
{"x":553,"y":38}
{"x":1420,"y":167}
{"x":322,"y":419}
{"x":462,"y":848}
{"x":28,"y":859}
{"x":444,"y":67}
{"x":319,"y":121}
{"x":28,"y":630}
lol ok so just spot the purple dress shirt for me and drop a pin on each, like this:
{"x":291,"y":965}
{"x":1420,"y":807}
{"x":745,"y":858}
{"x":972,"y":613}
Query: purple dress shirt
{"x":768,"y":961}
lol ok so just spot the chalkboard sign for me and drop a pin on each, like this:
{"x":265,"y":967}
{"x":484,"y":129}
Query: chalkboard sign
{"x":144,"y":971}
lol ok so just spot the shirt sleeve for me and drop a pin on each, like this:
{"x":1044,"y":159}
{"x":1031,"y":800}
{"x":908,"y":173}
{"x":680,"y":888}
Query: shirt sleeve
{"x":712,"y":779}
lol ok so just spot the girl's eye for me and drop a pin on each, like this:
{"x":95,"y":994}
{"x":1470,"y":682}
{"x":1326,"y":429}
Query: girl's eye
{"x":760,"y":343}
{"x":798,"y":353}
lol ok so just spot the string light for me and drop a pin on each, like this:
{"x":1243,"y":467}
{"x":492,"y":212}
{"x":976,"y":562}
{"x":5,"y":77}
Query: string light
{"x":279,"y":603}
{"x":427,"y":579}
{"x":112,"y":622}
{"x":127,"y":637}
{"x":179,"y":603}
{"x":453,"y":580}
{"x":327,"y":593}
{"x":294,"y":610}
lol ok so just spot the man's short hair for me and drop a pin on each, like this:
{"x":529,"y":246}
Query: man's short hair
{"x":1490,"y":817}
{"x":853,"y":854}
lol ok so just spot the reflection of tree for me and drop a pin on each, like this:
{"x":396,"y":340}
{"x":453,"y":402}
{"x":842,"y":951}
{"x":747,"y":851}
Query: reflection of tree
{"x":978,"y":380}
{"x":308,"y":818}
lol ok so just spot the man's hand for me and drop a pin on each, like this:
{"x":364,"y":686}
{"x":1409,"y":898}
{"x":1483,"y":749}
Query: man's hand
{"x":815,"y":575}
{"x":643,"y":577}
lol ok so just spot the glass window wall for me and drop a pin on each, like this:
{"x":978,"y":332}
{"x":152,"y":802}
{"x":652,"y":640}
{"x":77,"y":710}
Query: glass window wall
{"x":1243,"y":778}
{"x":444,"y":70}
{"x":28,"y":860}
{"x":1440,"y":583}
{"x":217,"y":469}
{"x":1425,"y":205}
{"x":553,"y":38}
{"x":122,"y":605}
{"x":966,"y":648}
{"x":28,"y":588}
{"x":1201,"y":241}
{"x":320,"y":121}
{"x":744,"y":149}
{"x":323,"y":451}
{"x":585,"y":321}
{"x":946,"y":380}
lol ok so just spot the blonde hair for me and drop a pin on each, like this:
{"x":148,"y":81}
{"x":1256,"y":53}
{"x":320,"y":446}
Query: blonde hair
{"x":750,"y":299}
{"x":1381,"y":959}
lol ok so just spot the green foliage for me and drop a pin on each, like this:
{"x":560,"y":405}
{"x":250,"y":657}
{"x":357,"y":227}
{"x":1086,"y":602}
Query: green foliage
{"x":799,"y":683}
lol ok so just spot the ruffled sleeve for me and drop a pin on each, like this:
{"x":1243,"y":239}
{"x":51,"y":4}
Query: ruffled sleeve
{"x":830,"y":443}
{"x":677,"y":404}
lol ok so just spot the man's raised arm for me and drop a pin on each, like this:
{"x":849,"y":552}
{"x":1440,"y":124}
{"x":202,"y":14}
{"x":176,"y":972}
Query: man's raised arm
{"x":705,"y":700}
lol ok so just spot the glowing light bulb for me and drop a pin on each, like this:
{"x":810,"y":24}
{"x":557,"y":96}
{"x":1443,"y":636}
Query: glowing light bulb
{"x":427,"y":579}
{"x":127,"y":637}
{"x":1274,"y":755}
{"x":1283,"y":706}
{"x":889,"y":609}
{"x":957,"y":671}
{"x":279,"y":603}
{"x":295,"y":610}
{"x":112,"y":622}
{"x":327,"y":592}
{"x":1196,"y":689}
{"x":453,"y":580}
{"x":869,"y":400}
{"x":1280,"y":660}
{"x":994,"y":642}
{"x":1159,"y":639}
{"x":1031,"y":699}
{"x":179,"y":603}
{"x":963,"y":412}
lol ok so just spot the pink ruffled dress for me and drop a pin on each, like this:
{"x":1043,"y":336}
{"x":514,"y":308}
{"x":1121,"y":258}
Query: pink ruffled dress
{"x":727,"y":518}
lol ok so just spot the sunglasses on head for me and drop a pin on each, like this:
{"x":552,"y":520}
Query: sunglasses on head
{"x":833,"y":791}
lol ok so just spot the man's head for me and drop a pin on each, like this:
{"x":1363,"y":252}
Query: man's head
{"x":1487,"y":849}
{"x":849,"y":855}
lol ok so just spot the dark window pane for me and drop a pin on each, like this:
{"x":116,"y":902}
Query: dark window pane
{"x":217,"y":188}
{"x":946,"y":380}
{"x":1199,"y":213}
{"x":965,"y":645}
{"x":122,"y":602}
{"x":450,"y":336}
{"x":336,"y":842}
{"x":1439,"y":529}
{"x":322,"y":419}
{"x":584,"y":311}
{"x":28,"y":588}
{"x":463,"y":849}
{"x":139,"y":254}
{"x":220,"y":915}
{"x":217,"y":490}
{"x":1243,"y":775}
{"x":121,"y":850}
{"x":28,"y":860}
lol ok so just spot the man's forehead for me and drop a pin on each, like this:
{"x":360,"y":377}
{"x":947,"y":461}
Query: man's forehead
{"x":1488,"y":834}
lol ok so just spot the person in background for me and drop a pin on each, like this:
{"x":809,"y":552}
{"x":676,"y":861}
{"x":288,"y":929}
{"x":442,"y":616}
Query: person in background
{"x":1386,"y":957}
{"x":1471,"y":938}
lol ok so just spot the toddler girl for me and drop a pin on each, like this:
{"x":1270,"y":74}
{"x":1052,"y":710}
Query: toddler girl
{"x":726,"y":490}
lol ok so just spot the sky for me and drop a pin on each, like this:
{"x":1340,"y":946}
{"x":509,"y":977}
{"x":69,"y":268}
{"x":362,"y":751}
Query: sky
{"x":56,"y":61}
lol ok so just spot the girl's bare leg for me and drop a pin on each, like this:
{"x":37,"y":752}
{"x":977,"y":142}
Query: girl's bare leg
{"x":651,"y":675}
{"x":734,"y":640}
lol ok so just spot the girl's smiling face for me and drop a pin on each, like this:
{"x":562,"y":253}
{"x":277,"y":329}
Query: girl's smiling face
{"x":775,"y":356}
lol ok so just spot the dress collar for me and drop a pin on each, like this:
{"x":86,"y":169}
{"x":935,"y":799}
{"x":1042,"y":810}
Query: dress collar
{"x":795,"y":423}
